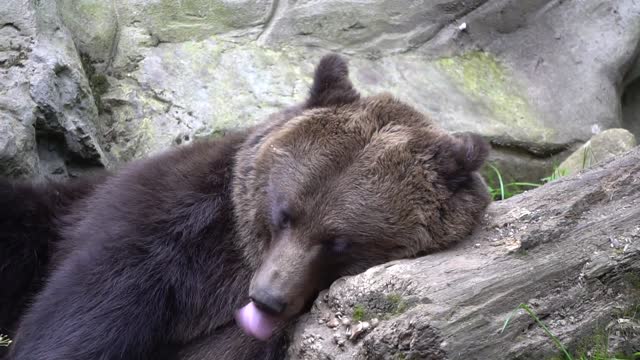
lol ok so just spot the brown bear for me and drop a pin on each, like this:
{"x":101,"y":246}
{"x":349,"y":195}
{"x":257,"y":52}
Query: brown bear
{"x":209,"y":250}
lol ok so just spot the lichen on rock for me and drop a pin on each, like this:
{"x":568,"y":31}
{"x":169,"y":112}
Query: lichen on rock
{"x":480,"y":75}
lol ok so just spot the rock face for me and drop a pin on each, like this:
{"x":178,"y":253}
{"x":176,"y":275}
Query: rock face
{"x":18,"y":155}
{"x":517,"y":73}
{"x":569,"y":249}
{"x":537,"y":77}
{"x":45,"y":94}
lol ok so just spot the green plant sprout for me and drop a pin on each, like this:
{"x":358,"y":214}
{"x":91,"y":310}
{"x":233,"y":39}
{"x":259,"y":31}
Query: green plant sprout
{"x":507,"y":190}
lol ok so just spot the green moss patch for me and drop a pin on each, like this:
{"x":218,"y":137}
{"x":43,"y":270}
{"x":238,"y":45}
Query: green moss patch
{"x":483,"y":78}
{"x":381,"y":306}
{"x":359,"y":313}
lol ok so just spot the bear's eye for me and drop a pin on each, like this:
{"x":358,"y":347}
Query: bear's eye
{"x":283,"y":220}
{"x":338,"y":245}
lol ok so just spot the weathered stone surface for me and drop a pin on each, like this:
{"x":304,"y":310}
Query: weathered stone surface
{"x":44,"y":98}
{"x":98,"y":26}
{"x":518,"y":72}
{"x":224,"y":84}
{"x":175,"y":21}
{"x":570,"y":57}
{"x":569,"y":249}
{"x":600,"y":147}
{"x":58,"y":86}
{"x":375,"y":27}
{"x":94,"y":26}
{"x":559,"y":55}
{"x":169,"y":101}
{"x":18,"y":156}
{"x":45,"y":92}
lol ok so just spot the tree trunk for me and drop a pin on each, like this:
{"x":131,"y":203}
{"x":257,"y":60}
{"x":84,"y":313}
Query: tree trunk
{"x":570,"y":250}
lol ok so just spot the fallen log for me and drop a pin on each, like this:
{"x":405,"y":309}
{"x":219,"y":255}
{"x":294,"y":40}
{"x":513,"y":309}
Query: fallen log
{"x":569,"y":250}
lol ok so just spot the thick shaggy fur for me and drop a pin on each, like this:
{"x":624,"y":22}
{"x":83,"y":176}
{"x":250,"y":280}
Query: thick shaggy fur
{"x":152,"y":262}
{"x":29,"y":223}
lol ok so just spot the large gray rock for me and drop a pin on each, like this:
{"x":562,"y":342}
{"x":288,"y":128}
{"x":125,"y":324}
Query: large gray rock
{"x":534,"y":76}
{"x":18,"y":156}
{"x":59,"y":87}
{"x":94,"y":26}
{"x":555,"y":66}
{"x":374,"y":27}
{"x":99,"y":27}
{"x":570,"y":250}
{"x":169,"y":101}
{"x":45,"y":92}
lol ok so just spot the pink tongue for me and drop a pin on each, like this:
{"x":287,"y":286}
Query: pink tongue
{"x":255,"y":322}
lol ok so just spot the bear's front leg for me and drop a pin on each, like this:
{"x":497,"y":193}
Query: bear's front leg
{"x":98,"y":304}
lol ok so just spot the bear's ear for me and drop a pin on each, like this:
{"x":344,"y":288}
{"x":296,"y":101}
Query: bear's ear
{"x":462,"y":156}
{"x":331,"y":84}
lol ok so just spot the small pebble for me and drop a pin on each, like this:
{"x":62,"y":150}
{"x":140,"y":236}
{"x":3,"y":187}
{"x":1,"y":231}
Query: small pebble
{"x":359,"y":329}
{"x":374,"y":322}
{"x":333,"y":323}
{"x":346,"y":321}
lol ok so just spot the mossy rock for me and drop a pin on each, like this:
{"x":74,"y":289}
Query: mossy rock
{"x":482,"y":77}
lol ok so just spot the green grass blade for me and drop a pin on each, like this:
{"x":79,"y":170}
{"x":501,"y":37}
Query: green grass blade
{"x":544,"y":328}
{"x":547,"y":331}
{"x":506,"y":322}
{"x":499,"y":181}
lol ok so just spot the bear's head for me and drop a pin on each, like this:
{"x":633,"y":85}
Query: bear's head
{"x":342,"y":182}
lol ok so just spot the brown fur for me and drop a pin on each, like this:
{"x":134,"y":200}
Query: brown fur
{"x":372,"y":174}
{"x":155,"y":259}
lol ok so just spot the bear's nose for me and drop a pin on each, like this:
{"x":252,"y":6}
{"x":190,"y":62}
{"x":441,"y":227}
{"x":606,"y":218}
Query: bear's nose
{"x":268,"y":302}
